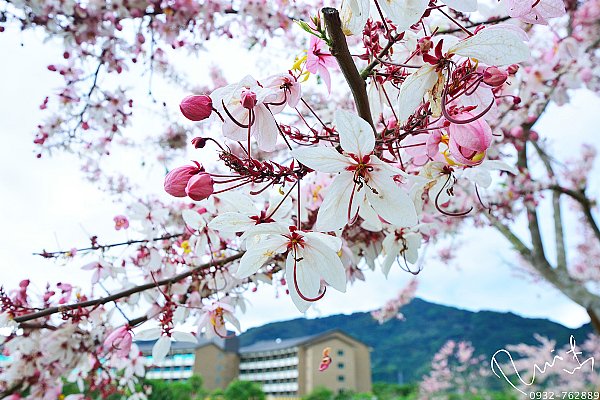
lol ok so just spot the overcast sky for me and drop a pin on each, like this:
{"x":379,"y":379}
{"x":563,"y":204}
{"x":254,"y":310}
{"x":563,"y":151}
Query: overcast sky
{"x":45,"y":204}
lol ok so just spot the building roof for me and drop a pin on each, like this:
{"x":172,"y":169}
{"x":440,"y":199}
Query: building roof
{"x":232,"y":344}
{"x":278,"y":344}
{"x":227,"y":344}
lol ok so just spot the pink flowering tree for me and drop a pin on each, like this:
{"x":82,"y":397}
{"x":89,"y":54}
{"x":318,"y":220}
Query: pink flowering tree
{"x":424,"y":124}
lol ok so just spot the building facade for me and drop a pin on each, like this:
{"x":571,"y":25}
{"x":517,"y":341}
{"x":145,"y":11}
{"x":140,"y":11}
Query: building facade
{"x":286,"y":368}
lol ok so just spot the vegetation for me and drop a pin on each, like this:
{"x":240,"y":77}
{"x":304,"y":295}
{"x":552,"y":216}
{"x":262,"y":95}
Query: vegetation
{"x":402,"y":350}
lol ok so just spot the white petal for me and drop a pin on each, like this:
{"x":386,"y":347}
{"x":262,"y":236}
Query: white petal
{"x":233,"y":320}
{"x":391,"y":247}
{"x":265,"y":129}
{"x":480,"y":176}
{"x":354,"y":15}
{"x":404,"y":13}
{"x":184,"y":337}
{"x":300,"y":304}
{"x":321,"y":158}
{"x":192,"y":219}
{"x":500,"y":165}
{"x":257,"y":255}
{"x":462,"y":5}
{"x":148,"y":334}
{"x":371,"y":219}
{"x":333,"y":213}
{"x":308,"y":277}
{"x":356,"y":134}
{"x":493,"y":46}
{"x":325,"y":261}
{"x":334,"y":243}
{"x":231,"y":222}
{"x":414,"y":89}
{"x":391,"y":202}
{"x":161,"y":349}
{"x":155,"y":261}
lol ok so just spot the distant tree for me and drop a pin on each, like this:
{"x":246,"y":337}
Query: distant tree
{"x":244,"y":390}
{"x":197,"y":385}
{"x":319,"y":393}
{"x":389,"y":391}
{"x":162,"y":390}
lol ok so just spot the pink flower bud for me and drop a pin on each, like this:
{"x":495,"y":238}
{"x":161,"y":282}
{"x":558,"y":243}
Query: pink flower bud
{"x":200,"y":186}
{"x":177,"y":180}
{"x":121,"y":222}
{"x":494,"y":76}
{"x":534,"y":136}
{"x":248,"y":99}
{"x":197,"y":107}
{"x":516,"y":132}
{"x":119,"y":341}
{"x":469,"y":142}
{"x":512,"y":69}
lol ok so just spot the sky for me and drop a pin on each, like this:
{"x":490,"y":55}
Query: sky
{"x":46,"y":204}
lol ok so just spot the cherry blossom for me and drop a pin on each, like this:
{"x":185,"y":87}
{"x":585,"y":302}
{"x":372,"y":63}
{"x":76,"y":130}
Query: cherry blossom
{"x":364,"y":183}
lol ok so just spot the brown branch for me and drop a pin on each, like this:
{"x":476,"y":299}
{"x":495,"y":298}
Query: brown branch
{"x":125,"y":293}
{"x":367,"y":71}
{"x":532,"y":216}
{"x":107,"y":246}
{"x":475,"y":24}
{"x":339,"y":49}
{"x":559,"y":236}
{"x":586,"y":205}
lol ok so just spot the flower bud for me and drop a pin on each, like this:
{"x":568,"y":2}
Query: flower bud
{"x":177,"y":180}
{"x":469,"y":142}
{"x":512,"y":69}
{"x":248,"y":99}
{"x":494,"y":76}
{"x":200,"y":186}
{"x":197,"y":107}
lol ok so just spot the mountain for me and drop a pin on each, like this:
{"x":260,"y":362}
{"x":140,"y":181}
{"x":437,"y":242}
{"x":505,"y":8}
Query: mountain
{"x":402,"y":350}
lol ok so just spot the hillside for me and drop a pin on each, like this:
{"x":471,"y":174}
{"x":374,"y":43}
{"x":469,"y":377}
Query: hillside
{"x":406,"y":347}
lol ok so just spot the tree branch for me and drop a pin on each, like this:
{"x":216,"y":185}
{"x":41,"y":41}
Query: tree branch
{"x":532,"y":216}
{"x":586,"y":205}
{"x":47,"y":254}
{"x":339,"y":49}
{"x":124,"y":293}
{"x":559,"y":236}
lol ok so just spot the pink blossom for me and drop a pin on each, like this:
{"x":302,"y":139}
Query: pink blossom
{"x":177,"y":179}
{"x":318,"y":61}
{"x":536,"y":11}
{"x":248,"y":99}
{"x":121,"y":222}
{"x":119,"y":341}
{"x":494,"y":76}
{"x":200,"y":186}
{"x":469,"y":142}
{"x":196,"y":107}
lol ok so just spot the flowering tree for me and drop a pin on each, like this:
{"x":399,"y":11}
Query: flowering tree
{"x":305,"y":186}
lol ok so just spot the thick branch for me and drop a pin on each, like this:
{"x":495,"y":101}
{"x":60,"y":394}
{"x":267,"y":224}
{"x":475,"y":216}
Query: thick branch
{"x":124,"y":293}
{"x":559,"y":278}
{"x":559,"y":236}
{"x":532,"y":216}
{"x":339,"y":49}
{"x":367,"y":71}
{"x":586,"y":205}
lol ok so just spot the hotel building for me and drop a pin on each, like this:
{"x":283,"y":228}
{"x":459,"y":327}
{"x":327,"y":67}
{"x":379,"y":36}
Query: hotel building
{"x":286,"y":368}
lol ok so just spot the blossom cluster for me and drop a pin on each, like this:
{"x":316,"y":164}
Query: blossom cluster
{"x":310,"y":190}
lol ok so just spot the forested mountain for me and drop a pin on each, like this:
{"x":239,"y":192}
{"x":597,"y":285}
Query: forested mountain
{"x":403,"y":349}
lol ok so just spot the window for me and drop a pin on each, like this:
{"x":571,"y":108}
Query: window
{"x":341,"y":365}
{"x":340,"y":352}
{"x":341,"y":378}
